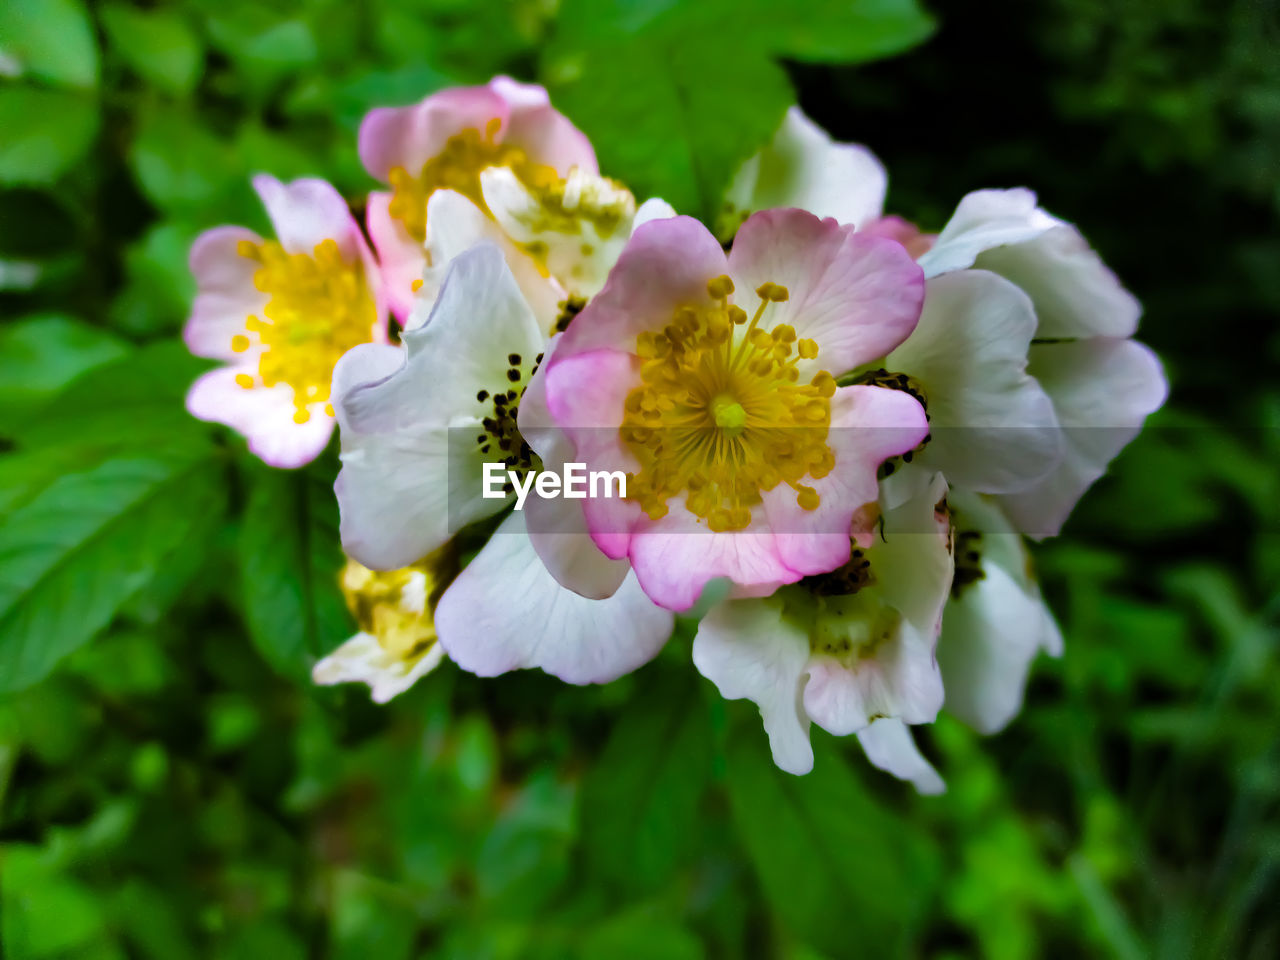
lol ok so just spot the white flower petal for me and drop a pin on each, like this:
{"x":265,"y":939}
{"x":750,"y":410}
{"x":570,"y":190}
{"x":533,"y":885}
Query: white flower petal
{"x":990,"y":635}
{"x":362,"y":660}
{"x":412,"y":472}
{"x":748,"y":650}
{"x":1102,"y":391}
{"x":455,"y":225}
{"x":889,"y":745}
{"x":506,"y":612}
{"x":1074,"y":292}
{"x":993,"y":427}
{"x":803,"y":167}
{"x":985,"y":219}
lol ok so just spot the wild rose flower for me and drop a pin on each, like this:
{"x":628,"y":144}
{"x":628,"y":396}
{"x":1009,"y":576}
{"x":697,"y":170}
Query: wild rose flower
{"x":851,"y":650}
{"x":445,"y":142}
{"x":994,"y":409}
{"x":280,"y":313}
{"x":396,"y":645}
{"x":745,"y":460}
{"x":418,"y":426}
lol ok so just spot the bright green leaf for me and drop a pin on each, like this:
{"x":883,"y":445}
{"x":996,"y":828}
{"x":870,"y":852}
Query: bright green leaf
{"x":672,"y":115}
{"x":159,"y":45}
{"x":72,"y":556}
{"x":46,"y":132}
{"x":51,"y":40}
{"x":290,"y":561}
{"x":838,"y":31}
{"x":41,"y":354}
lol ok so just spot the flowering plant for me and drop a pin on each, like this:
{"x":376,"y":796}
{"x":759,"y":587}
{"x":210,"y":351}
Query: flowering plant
{"x":829,"y":430}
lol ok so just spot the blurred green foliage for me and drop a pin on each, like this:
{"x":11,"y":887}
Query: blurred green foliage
{"x":170,"y":784}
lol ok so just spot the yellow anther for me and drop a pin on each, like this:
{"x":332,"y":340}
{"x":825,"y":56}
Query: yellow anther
{"x":808,"y":498}
{"x":720,"y":287}
{"x":719,"y":416}
{"x":247,"y":249}
{"x":457,"y":167}
{"x":416,"y":285}
{"x":808,"y":349}
{"x":318,"y":307}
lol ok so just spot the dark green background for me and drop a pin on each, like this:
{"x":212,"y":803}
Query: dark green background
{"x":171,"y":786}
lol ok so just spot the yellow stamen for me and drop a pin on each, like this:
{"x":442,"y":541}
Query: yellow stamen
{"x":457,"y":167}
{"x":396,"y":606}
{"x":319,"y":307}
{"x":719,"y":414}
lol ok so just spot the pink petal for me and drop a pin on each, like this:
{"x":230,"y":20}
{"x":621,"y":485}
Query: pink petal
{"x":264,"y":415}
{"x":410,"y":136}
{"x":666,"y":264}
{"x":868,"y":425}
{"x":585,"y":395}
{"x":402,"y":258}
{"x":225,"y":294}
{"x":307,"y":211}
{"x":858,"y":296}
{"x":546,"y":135}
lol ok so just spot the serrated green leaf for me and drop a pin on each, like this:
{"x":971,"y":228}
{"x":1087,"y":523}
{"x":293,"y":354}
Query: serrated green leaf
{"x":41,"y":354}
{"x":76,"y":553}
{"x":840,"y":871}
{"x":45,"y":133}
{"x":671,"y":115}
{"x":159,"y":45}
{"x":290,"y":561}
{"x":640,"y":799}
{"x":51,"y":40}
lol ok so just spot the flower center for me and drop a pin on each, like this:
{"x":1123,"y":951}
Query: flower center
{"x":501,"y":424}
{"x":850,"y":620}
{"x":396,"y":606}
{"x":319,"y":308}
{"x":457,"y":167}
{"x":719,"y":414}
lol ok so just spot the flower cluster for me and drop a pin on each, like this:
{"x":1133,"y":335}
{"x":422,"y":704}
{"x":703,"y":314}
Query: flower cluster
{"x":831,"y":431}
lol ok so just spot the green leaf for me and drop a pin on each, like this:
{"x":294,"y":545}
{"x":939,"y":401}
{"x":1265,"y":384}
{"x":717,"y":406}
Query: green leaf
{"x":51,"y":40}
{"x":39,"y":355}
{"x":135,"y":402}
{"x":76,"y":553}
{"x":640,"y":935}
{"x":290,"y":561}
{"x":185,"y":169}
{"x":671,"y":115}
{"x":160,"y":287}
{"x":839,"y":31}
{"x":159,"y":45}
{"x":640,"y":799}
{"x":45,"y":133}
{"x":841,"y":872}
